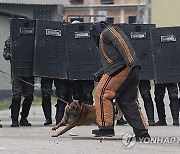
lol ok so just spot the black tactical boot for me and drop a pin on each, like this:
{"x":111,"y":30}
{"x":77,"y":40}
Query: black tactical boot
{"x":151,"y":122}
{"x":46,"y":105}
{"x":141,"y":135}
{"x":24,"y":122}
{"x":15,"y":108}
{"x":174,"y":106}
{"x":107,"y":132}
{"x":161,"y":123}
{"x":25,"y":110}
{"x":15,"y":124}
{"x":121,"y":121}
{"x":48,"y":122}
{"x":176,"y":122}
{"x":59,"y":111}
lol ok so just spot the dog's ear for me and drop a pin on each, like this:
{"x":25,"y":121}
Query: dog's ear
{"x":70,"y":100}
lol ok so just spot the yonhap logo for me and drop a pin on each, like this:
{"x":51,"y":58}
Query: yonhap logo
{"x":128,"y":140}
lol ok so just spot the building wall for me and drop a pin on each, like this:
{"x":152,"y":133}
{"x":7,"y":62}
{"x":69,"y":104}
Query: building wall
{"x":87,"y":2}
{"x":120,"y":10}
{"x":165,"y":13}
{"x":27,"y":10}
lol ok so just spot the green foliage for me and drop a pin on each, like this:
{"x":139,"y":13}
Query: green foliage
{"x":4,"y":104}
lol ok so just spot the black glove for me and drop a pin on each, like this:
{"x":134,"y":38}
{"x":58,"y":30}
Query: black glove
{"x":135,"y":66}
{"x":97,"y":77}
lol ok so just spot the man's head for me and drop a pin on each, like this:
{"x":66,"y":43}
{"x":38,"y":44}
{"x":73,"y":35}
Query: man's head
{"x":96,"y":28}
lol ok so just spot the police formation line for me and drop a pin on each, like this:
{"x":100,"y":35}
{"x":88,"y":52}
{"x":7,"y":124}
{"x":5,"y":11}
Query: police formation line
{"x":70,"y":55}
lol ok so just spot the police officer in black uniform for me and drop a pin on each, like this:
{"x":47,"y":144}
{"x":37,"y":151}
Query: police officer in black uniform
{"x":82,"y":89}
{"x":160,"y":90}
{"x":63,"y":91}
{"x":19,"y":89}
{"x":145,"y":91}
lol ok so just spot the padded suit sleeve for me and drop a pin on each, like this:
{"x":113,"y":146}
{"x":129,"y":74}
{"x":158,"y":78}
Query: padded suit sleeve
{"x":120,"y":41}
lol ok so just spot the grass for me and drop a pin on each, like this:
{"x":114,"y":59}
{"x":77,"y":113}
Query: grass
{"x":4,"y":104}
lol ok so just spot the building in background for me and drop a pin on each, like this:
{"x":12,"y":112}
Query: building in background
{"x":33,"y":9}
{"x":165,"y":13}
{"x":116,"y":11}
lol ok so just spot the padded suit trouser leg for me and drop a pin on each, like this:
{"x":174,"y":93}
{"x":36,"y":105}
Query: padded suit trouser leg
{"x":124,"y":87}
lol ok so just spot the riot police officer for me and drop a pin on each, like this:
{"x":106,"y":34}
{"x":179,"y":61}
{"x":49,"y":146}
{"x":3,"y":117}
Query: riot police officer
{"x":145,"y":91}
{"x":21,"y":86}
{"x":160,"y":90}
{"x":82,"y":89}
{"x":63,"y":91}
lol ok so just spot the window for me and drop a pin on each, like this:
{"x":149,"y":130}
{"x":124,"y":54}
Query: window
{"x":132,"y":19}
{"x":76,"y":19}
{"x":77,"y":2}
{"x":110,"y":20}
{"x":42,"y":14}
{"x":107,"y":1}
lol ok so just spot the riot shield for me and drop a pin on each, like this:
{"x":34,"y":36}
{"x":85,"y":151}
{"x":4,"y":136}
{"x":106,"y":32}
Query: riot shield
{"x":166,"y":53}
{"x":140,"y":39}
{"x":50,"y":53}
{"x":22,"y":33}
{"x":82,"y":55}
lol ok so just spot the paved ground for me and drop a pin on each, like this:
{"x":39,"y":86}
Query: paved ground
{"x":37,"y":138}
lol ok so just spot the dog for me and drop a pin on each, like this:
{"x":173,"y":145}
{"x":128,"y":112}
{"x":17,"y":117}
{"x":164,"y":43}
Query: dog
{"x":77,"y":113}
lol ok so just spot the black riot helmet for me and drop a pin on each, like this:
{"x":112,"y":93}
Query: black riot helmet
{"x":96,"y":28}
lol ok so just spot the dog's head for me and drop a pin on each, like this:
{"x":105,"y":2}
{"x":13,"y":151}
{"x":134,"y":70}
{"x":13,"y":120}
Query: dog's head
{"x":73,"y":108}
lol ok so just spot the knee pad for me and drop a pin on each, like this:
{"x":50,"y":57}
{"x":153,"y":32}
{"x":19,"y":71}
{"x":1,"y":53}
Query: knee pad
{"x":16,"y":101}
{"x":16,"y":98}
{"x":173,"y":96}
{"x":147,"y":97}
{"x":46,"y":96}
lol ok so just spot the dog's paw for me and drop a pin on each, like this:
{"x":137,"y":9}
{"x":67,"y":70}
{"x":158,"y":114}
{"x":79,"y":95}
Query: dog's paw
{"x":54,"y":128}
{"x":54,"y":136}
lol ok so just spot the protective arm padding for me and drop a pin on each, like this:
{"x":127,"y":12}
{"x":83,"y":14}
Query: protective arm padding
{"x":116,"y":37}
